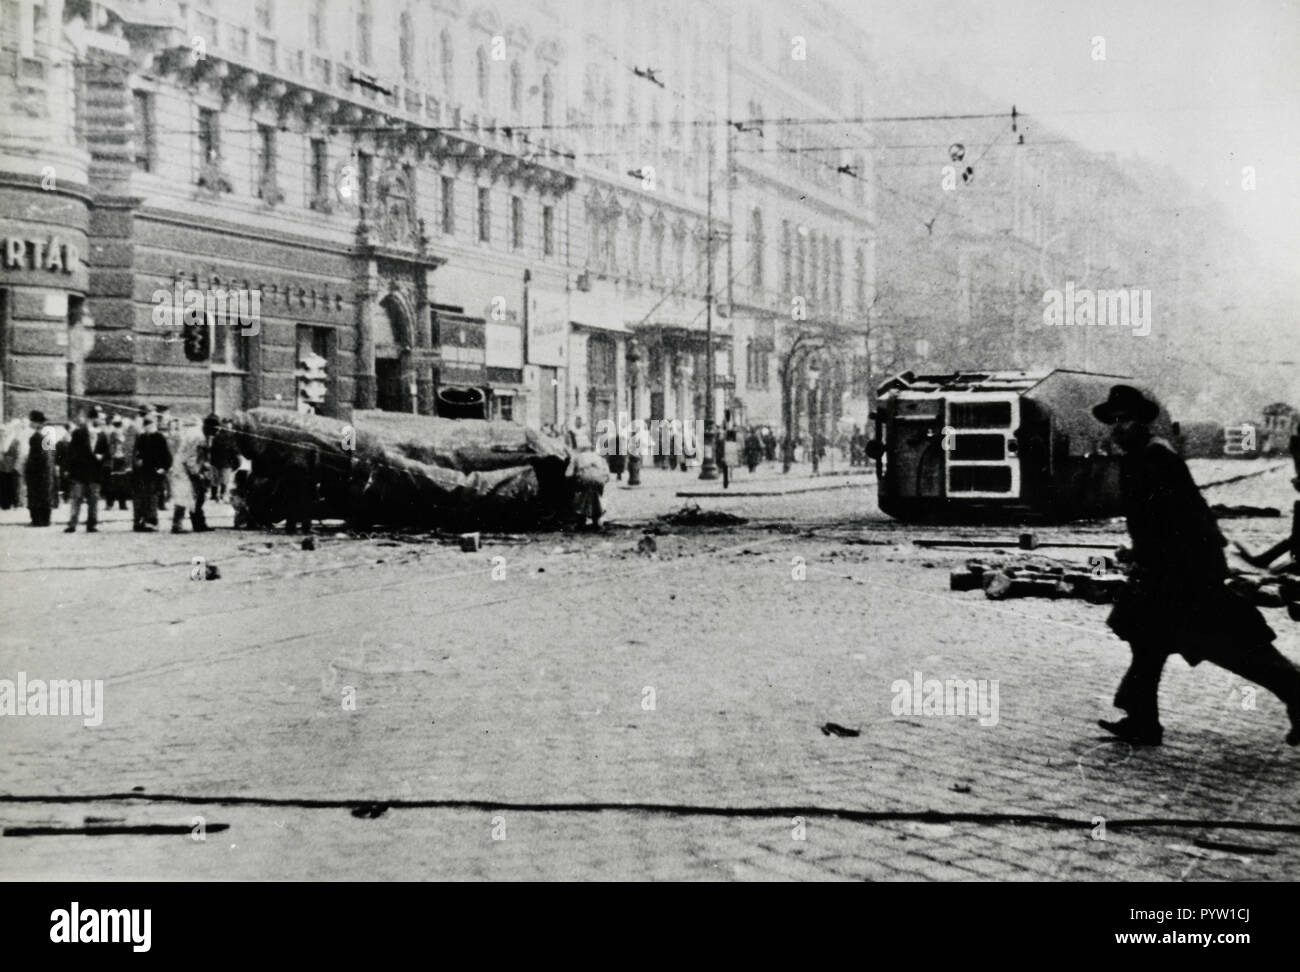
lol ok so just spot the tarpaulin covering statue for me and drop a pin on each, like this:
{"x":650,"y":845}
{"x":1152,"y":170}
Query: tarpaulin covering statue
{"x":390,"y":469}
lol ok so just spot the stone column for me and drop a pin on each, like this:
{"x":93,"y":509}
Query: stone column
{"x":366,"y":306}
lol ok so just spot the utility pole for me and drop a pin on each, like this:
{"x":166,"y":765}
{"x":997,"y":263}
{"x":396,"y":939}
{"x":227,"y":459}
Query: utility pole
{"x":709,"y":467}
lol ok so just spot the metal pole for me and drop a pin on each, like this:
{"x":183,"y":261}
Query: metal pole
{"x":709,"y":467}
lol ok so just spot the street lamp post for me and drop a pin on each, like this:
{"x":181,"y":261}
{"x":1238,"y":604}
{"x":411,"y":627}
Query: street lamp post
{"x":814,"y":416}
{"x":709,"y":467}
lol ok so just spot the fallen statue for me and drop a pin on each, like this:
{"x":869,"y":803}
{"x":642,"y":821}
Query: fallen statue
{"x":390,"y":469}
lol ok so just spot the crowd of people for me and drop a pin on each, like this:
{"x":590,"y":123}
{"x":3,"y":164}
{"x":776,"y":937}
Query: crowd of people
{"x":153,"y":461}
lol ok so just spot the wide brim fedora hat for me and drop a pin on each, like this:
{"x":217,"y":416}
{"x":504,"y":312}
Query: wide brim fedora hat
{"x":1125,"y":401}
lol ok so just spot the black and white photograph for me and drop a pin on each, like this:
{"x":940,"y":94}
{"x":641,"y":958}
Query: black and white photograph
{"x":650,"y":441}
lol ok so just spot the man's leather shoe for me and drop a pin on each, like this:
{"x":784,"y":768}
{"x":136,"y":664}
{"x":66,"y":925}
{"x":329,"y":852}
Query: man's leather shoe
{"x":69,"y":529}
{"x":1134,"y":733}
{"x":92,"y":529}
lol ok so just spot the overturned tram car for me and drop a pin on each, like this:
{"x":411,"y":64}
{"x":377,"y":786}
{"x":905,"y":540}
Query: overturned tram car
{"x":999,"y":445}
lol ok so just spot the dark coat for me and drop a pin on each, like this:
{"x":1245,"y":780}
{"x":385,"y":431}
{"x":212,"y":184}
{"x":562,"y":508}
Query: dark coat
{"x":87,"y":456}
{"x":1176,"y":599}
{"x":151,"y":452}
{"x":224,"y":454}
{"x":39,"y":473}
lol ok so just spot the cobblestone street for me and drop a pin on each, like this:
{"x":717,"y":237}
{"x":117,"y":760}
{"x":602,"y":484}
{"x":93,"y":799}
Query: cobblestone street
{"x":557,"y":706}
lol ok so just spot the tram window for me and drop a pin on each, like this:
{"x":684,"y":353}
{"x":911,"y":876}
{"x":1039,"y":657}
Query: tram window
{"x":976,"y":447}
{"x":979,"y":479}
{"x":980,"y":415}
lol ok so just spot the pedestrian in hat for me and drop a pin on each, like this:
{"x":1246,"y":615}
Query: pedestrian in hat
{"x":87,"y":459}
{"x":38,"y":471}
{"x":120,"y":441}
{"x":150,"y":460}
{"x":1176,"y":601}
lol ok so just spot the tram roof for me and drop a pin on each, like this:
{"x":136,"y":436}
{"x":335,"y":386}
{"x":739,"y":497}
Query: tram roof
{"x":991,"y":381}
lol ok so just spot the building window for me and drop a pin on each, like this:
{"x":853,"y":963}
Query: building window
{"x":548,"y":230}
{"x":826,"y":295}
{"x":312,"y":369}
{"x":265,"y":161}
{"x":319,"y":173}
{"x":838,"y":282}
{"x":516,"y":87}
{"x":756,"y":246}
{"x":548,"y":100}
{"x":481,"y":73}
{"x":144,"y":131}
{"x":262,"y":10}
{"x":364,"y":20}
{"x":758,"y":364}
{"x":809,"y":286}
{"x":447,"y":56}
{"x":365,"y":166}
{"x":484,"y":215}
{"x":230,"y":345}
{"x":209,"y":137}
{"x":860,"y":278}
{"x":787,"y":280}
{"x":801,"y":264}
{"x":634,"y":244}
{"x":406,"y":44}
{"x":448,"y":205}
{"x":602,"y":360}
{"x":316,"y":24}
{"x":516,"y":222}
{"x":208,"y":29}
{"x":609,"y":242}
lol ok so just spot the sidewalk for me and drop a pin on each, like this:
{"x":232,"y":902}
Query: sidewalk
{"x":766,"y":480}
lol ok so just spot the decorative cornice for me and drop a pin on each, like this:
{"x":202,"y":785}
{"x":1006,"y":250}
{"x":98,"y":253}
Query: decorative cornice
{"x":22,"y":180}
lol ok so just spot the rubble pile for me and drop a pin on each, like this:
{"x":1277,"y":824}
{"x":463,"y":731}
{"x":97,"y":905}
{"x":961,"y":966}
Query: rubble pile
{"x":1268,"y":590}
{"x":1041,"y":577}
{"x":1100,"y":581}
{"x":692,"y":515}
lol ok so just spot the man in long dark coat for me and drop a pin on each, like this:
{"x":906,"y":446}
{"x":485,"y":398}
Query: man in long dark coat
{"x":1176,"y":601}
{"x":150,"y":461}
{"x":38,"y":471}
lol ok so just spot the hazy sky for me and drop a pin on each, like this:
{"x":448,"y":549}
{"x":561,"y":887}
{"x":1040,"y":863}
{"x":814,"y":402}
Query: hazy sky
{"x":1209,"y":86}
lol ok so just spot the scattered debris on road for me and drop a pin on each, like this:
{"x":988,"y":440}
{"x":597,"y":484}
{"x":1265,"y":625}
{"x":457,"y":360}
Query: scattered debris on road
{"x":1040,"y":576}
{"x":1268,"y":590}
{"x":692,"y":515}
{"x":1224,"y":512}
{"x":835,"y":729}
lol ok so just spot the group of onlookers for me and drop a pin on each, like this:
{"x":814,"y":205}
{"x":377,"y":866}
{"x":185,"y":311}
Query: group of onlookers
{"x":154,"y":460}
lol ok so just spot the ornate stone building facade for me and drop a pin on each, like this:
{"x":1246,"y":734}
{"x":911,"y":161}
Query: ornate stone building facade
{"x":388,"y":226}
{"x":517,"y":199}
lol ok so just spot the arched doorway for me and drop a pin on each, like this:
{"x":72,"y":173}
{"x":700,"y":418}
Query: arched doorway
{"x":394,"y":371}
